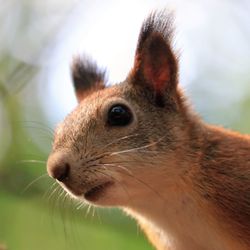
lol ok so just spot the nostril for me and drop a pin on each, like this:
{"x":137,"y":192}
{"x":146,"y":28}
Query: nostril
{"x":59,"y":166}
{"x":60,"y":172}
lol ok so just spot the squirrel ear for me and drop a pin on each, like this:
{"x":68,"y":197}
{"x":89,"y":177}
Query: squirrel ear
{"x":87,"y":77}
{"x":155,"y":67}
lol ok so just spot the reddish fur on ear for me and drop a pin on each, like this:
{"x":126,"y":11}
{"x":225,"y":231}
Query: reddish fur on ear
{"x":155,"y":66}
{"x":155,"y":63}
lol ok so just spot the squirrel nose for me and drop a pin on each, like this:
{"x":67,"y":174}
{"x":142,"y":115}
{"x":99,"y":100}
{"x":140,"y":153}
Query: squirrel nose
{"x":60,"y":172}
{"x":58,"y":167}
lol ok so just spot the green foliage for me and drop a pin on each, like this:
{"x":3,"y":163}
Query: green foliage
{"x":35,"y":224}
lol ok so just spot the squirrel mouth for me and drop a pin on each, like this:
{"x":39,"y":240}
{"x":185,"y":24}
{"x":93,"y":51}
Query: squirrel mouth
{"x":96,"y":192}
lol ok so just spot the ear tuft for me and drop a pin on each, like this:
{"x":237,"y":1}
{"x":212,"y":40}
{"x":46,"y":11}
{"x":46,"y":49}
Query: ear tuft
{"x":87,"y":77}
{"x":157,"y":22}
{"x":156,"y":66}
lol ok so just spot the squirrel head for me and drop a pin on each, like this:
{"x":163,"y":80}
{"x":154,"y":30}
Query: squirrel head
{"x":122,"y":142}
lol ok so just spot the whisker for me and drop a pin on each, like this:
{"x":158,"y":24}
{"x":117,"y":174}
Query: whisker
{"x":49,"y":189}
{"x":98,"y":157}
{"x":44,"y":126}
{"x":32,"y":182}
{"x":62,"y":192}
{"x":48,"y":134}
{"x":82,"y":204}
{"x":88,"y":210}
{"x":53,"y":192}
{"x":104,"y":154}
{"x":138,"y":148}
{"x":121,"y":167}
{"x":137,"y":161}
{"x":119,"y":139}
{"x":93,"y":212}
{"x":32,"y":161}
{"x":107,"y":145}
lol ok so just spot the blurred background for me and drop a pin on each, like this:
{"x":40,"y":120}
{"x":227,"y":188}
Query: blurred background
{"x":37,"y":41}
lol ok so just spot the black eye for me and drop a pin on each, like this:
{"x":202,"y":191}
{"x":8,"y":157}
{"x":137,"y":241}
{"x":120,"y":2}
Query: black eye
{"x":119,"y":115}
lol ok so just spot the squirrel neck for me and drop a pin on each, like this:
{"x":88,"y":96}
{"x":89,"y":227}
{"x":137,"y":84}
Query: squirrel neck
{"x":184,"y":214}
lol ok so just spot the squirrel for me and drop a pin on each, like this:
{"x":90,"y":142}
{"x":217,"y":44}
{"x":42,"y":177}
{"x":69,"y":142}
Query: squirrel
{"x":139,"y":146}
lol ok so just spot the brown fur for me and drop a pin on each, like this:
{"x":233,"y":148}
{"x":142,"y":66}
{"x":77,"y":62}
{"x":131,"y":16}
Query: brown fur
{"x":187,"y":183}
{"x":224,"y":179}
